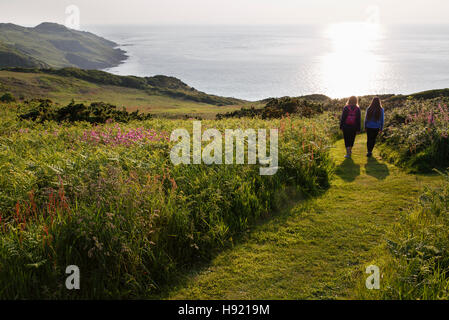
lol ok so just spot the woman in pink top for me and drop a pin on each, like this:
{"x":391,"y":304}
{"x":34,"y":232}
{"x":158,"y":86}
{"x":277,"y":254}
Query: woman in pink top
{"x":351,"y":124}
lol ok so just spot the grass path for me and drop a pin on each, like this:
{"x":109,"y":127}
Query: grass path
{"x":316,"y":248}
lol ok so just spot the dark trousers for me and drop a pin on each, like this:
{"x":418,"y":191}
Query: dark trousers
{"x":372,"y":136}
{"x":349,"y":135}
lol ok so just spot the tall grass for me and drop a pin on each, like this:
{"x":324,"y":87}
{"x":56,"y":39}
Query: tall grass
{"x":74,"y":194}
{"x":416,"y":255}
{"x":416,"y":136}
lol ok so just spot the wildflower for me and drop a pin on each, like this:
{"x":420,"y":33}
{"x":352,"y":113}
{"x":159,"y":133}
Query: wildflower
{"x":110,"y":225}
{"x":122,"y":137}
{"x":430,"y":118}
{"x":173,"y":182}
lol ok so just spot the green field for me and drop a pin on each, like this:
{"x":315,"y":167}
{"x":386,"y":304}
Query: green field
{"x":62,"y":90}
{"x":86,"y":180}
{"x":103,"y":194}
{"x":318,"y":248}
{"x":108,"y":199}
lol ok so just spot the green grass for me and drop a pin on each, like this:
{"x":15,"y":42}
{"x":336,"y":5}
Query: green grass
{"x":317,"y":248}
{"x":63,"y":89}
{"x":121,"y":211}
{"x":140,"y":228}
{"x":415,"y":258}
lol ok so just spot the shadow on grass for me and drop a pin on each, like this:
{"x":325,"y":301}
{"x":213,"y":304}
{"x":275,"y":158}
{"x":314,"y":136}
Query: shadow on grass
{"x":376,"y":169}
{"x":348,"y":170}
{"x":289,"y":200}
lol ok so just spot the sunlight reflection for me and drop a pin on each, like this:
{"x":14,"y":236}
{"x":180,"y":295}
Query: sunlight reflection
{"x":353,"y":65}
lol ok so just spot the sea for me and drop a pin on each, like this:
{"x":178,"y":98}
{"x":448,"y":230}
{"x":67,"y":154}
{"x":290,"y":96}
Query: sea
{"x":258,"y":62}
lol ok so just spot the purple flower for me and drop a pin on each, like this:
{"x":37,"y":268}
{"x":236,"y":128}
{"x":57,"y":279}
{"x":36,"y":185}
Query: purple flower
{"x":117,"y":136}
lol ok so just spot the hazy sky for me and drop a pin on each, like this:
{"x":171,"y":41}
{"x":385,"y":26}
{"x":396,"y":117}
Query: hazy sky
{"x":26,"y":12}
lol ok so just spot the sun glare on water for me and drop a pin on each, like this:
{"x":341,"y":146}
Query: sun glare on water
{"x":353,"y":66}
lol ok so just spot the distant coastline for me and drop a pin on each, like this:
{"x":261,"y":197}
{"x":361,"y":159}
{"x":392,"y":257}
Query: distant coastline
{"x":255,"y":62}
{"x":51,"y":45}
{"x":125,"y":55}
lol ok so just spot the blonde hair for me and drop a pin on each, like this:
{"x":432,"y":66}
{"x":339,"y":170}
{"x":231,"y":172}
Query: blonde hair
{"x":353,"y":101}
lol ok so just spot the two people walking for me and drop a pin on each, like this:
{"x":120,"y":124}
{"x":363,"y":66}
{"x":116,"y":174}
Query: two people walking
{"x":351,"y":124}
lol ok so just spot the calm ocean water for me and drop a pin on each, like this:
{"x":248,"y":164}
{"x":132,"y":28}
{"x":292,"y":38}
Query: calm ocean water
{"x":271,"y":61}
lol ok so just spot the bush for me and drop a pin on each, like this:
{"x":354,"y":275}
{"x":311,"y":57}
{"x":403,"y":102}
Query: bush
{"x":7,"y":98}
{"x":97,"y":112}
{"x":278,"y":108}
{"x":416,"y":136}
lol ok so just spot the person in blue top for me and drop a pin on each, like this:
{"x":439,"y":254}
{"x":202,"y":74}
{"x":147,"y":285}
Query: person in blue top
{"x":374,"y":123}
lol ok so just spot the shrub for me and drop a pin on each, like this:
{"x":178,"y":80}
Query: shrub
{"x":97,"y":112}
{"x":278,"y":108}
{"x":416,"y":136}
{"x":7,"y":98}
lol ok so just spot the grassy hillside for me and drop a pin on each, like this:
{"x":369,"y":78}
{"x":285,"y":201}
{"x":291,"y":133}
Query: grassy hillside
{"x":94,"y":186}
{"x":317,"y":248}
{"x":108,"y":199}
{"x":159,"y":95}
{"x":9,"y":56}
{"x":53,"y":45}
